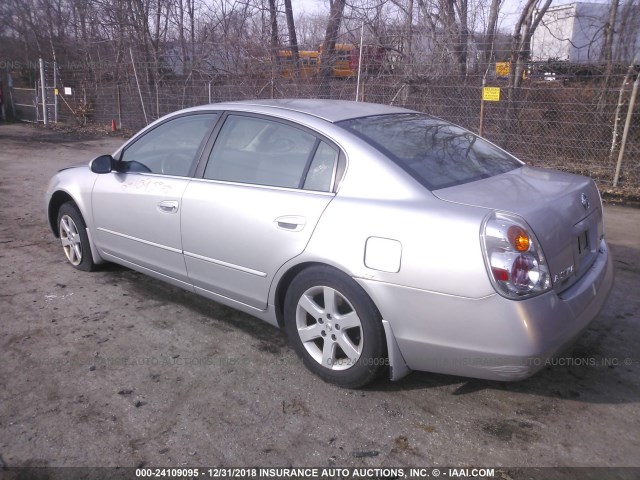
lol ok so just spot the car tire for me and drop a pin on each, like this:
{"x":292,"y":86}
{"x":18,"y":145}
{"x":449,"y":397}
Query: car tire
{"x":335,"y":327}
{"x":73,"y":235}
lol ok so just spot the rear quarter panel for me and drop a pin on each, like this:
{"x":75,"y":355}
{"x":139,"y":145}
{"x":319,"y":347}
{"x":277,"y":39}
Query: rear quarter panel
{"x":440,"y":241}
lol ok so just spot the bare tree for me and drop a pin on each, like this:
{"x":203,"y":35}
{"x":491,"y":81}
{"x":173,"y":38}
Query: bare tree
{"x":490,"y":33}
{"x":293,"y":39}
{"x":460,"y":30}
{"x":327,"y":57}
{"x":447,"y":22}
{"x":273,"y":15}
{"x":609,"y":30}
{"x":627,"y":32}
{"x":409,"y":28}
{"x":310,"y":29}
{"x":406,"y":44}
{"x":521,"y":48}
{"x":607,"y":52}
{"x":521,"y":43}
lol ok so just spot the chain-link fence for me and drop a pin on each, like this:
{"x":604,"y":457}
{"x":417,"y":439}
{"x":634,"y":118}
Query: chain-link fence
{"x":566,"y":121}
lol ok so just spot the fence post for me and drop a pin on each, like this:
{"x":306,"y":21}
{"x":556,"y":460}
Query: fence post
{"x":157,"y":101}
{"x":43,"y":88}
{"x":135,"y":73}
{"x":359,"y":63}
{"x":119,"y":106}
{"x":55,"y":92}
{"x":35,"y":105}
{"x":616,"y":121}
{"x":627,"y":123}
{"x":10,"y":87}
{"x":481,"y":129}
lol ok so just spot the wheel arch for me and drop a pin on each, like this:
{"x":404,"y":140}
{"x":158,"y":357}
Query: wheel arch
{"x":397,"y":365}
{"x":283,"y":285}
{"x":58,"y":198}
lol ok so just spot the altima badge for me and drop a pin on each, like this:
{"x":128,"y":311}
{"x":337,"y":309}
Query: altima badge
{"x":585,"y":201}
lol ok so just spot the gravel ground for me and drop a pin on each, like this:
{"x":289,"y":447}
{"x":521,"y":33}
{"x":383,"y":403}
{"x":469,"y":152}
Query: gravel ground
{"x":116,"y":369}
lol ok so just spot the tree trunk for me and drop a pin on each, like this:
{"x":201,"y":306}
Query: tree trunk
{"x":521,"y":50}
{"x":327,"y":57}
{"x":462,"y":39}
{"x":183,"y":44}
{"x":609,"y":29}
{"x":408,"y":53}
{"x":490,"y":34}
{"x":521,"y":45}
{"x":607,"y":54}
{"x":191,"y":10}
{"x":293,"y":39}
{"x":273,"y":15}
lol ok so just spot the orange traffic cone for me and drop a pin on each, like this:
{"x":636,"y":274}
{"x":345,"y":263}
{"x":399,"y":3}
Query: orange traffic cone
{"x":113,"y":125}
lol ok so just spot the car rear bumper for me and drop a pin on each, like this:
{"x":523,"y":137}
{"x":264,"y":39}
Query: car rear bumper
{"x":492,"y":337}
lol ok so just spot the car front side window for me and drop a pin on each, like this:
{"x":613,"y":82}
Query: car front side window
{"x":170,"y":148}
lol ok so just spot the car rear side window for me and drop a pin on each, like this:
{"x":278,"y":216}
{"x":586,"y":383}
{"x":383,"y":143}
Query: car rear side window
{"x":263,"y":152}
{"x":321,"y":169}
{"x":437,"y":153}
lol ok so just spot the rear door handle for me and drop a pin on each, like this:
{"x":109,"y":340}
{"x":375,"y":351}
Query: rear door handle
{"x":291,"y":223}
{"x":168,"y":206}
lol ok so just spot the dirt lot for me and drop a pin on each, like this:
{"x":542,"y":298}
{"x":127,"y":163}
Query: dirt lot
{"x":116,"y":369}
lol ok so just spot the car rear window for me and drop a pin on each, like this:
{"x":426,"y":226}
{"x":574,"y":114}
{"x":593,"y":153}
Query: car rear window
{"x":437,"y":153}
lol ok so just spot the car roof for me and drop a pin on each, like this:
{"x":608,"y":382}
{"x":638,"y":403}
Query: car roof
{"x":329,"y":110}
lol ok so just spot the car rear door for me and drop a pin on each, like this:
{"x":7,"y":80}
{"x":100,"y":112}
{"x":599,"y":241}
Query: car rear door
{"x":262,"y":191}
{"x":137,"y":208}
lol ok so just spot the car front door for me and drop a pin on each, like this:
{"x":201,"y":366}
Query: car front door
{"x":137,"y":207}
{"x":264,"y":188}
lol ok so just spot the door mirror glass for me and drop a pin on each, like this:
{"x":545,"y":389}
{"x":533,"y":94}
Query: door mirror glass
{"x":102,"y":164}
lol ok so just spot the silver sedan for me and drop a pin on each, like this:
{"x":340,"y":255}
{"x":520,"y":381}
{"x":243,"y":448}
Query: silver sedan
{"x":381,"y":239}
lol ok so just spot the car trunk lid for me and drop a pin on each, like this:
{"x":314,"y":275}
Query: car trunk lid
{"x":564,"y":211}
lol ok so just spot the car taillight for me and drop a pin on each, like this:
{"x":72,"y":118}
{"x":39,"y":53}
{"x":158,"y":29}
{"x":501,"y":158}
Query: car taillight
{"x":515,"y":262}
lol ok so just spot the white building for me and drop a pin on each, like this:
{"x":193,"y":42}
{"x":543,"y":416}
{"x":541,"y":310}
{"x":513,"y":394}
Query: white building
{"x":576,"y":32}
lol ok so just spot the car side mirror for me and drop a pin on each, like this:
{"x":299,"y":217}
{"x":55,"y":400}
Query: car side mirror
{"x":102,"y":164}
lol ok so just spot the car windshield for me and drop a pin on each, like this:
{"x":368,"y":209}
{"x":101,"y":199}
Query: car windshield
{"x":436,"y":153}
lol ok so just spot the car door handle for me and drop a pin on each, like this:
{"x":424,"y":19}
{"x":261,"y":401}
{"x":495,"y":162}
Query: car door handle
{"x":291,"y":223}
{"x":168,"y":206}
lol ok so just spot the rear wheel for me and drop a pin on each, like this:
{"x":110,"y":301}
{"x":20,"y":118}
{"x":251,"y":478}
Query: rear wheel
{"x":334,"y":327}
{"x":74,"y":238}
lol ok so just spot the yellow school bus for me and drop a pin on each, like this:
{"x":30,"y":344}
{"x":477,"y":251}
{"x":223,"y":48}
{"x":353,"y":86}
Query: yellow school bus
{"x":348,"y":58}
{"x":309,"y":63}
{"x":345,"y":60}
{"x":345,"y":64}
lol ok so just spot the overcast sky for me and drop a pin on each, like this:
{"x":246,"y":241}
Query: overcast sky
{"x":510,"y":10}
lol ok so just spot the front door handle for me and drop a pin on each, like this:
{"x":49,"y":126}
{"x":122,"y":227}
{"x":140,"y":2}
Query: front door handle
{"x":168,"y":206}
{"x":291,"y":223}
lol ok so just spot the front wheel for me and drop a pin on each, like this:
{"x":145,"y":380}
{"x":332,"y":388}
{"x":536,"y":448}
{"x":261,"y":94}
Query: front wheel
{"x":74,"y":238}
{"x":335,"y":327}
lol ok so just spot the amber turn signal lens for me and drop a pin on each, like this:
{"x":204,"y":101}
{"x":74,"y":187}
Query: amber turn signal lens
{"x":519,"y":238}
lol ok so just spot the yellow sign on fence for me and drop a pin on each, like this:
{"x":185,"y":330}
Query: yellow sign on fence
{"x":491,"y":94}
{"x":502,"y":69}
